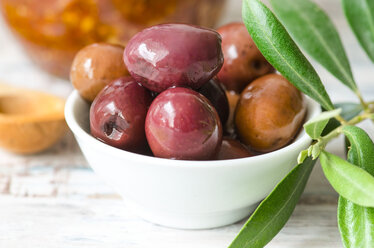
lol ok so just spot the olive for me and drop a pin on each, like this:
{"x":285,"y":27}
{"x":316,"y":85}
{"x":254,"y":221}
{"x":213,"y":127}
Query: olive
{"x":233,"y":99}
{"x":117,"y":115}
{"x":232,"y":149}
{"x":95,"y":66}
{"x":243,"y":61}
{"x":169,"y":55}
{"x":269,"y":113}
{"x":182,"y":124}
{"x":215,"y":93}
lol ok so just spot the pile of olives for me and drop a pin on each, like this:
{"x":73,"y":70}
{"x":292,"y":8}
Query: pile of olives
{"x":184,"y":92}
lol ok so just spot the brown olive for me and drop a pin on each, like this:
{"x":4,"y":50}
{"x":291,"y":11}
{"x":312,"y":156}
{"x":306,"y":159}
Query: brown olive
{"x":233,"y":99}
{"x":232,"y":149}
{"x":243,"y":61}
{"x":95,"y":66}
{"x":269,"y":113}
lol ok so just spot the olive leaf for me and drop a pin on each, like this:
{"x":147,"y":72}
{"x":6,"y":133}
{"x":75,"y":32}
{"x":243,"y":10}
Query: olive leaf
{"x":349,"y":110}
{"x":281,"y":51}
{"x":360,"y":16}
{"x":356,"y":222}
{"x":348,"y":180}
{"x":361,"y":150}
{"x":315,"y":33}
{"x":273,"y":212}
{"x":315,"y":126}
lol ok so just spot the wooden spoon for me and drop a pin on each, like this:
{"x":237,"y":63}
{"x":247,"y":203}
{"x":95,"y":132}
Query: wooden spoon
{"x":30,"y":121}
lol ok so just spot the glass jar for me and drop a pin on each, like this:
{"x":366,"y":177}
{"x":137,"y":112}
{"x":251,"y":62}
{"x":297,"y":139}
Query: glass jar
{"x":53,"y":31}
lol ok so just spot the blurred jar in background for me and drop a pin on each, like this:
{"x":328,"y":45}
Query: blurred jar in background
{"x":52,"y":31}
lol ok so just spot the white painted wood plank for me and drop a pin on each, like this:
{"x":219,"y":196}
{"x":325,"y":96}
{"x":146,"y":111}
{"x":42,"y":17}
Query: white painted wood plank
{"x":77,"y":222}
{"x":73,"y":207}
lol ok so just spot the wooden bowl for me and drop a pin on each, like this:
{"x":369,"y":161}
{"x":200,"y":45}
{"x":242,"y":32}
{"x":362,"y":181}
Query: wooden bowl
{"x":30,"y":121}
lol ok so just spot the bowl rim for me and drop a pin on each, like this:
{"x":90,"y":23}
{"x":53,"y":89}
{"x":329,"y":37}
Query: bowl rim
{"x":72,"y":103}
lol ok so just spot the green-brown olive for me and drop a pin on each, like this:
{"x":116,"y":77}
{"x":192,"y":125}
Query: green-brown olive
{"x":269,"y":113}
{"x":243,"y":61}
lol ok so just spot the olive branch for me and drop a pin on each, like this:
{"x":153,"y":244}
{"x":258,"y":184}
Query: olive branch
{"x":304,"y":23}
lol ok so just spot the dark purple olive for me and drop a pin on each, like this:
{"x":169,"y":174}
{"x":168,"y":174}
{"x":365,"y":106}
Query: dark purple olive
{"x":182,"y":124}
{"x":231,"y":149}
{"x":215,"y":93}
{"x":169,"y":55}
{"x":117,"y":115}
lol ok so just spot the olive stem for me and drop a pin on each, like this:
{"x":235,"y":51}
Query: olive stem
{"x":319,"y":145}
{"x":362,"y":101}
{"x":323,"y":141}
{"x":371,"y":106}
{"x":370,"y":110}
{"x":341,"y":119}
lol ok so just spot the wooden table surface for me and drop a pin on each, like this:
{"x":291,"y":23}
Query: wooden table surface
{"x":54,"y":199}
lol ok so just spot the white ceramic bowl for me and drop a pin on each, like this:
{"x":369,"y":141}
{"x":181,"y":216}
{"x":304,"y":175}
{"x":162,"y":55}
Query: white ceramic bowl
{"x":185,"y":194}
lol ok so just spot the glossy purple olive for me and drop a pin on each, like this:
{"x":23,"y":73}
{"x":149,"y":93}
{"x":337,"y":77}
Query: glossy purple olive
{"x":169,"y":55}
{"x":117,"y":115}
{"x":182,"y":124}
{"x":215,"y":93}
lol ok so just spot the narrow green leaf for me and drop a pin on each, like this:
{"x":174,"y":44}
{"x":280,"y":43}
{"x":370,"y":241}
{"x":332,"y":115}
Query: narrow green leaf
{"x":348,"y":180}
{"x":281,"y":51}
{"x":316,"y":125}
{"x":349,"y":110}
{"x":273,"y":212}
{"x":347,"y":146}
{"x":356,"y":223}
{"x":315,"y":33}
{"x":360,"y":15}
{"x":361,"y":152}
